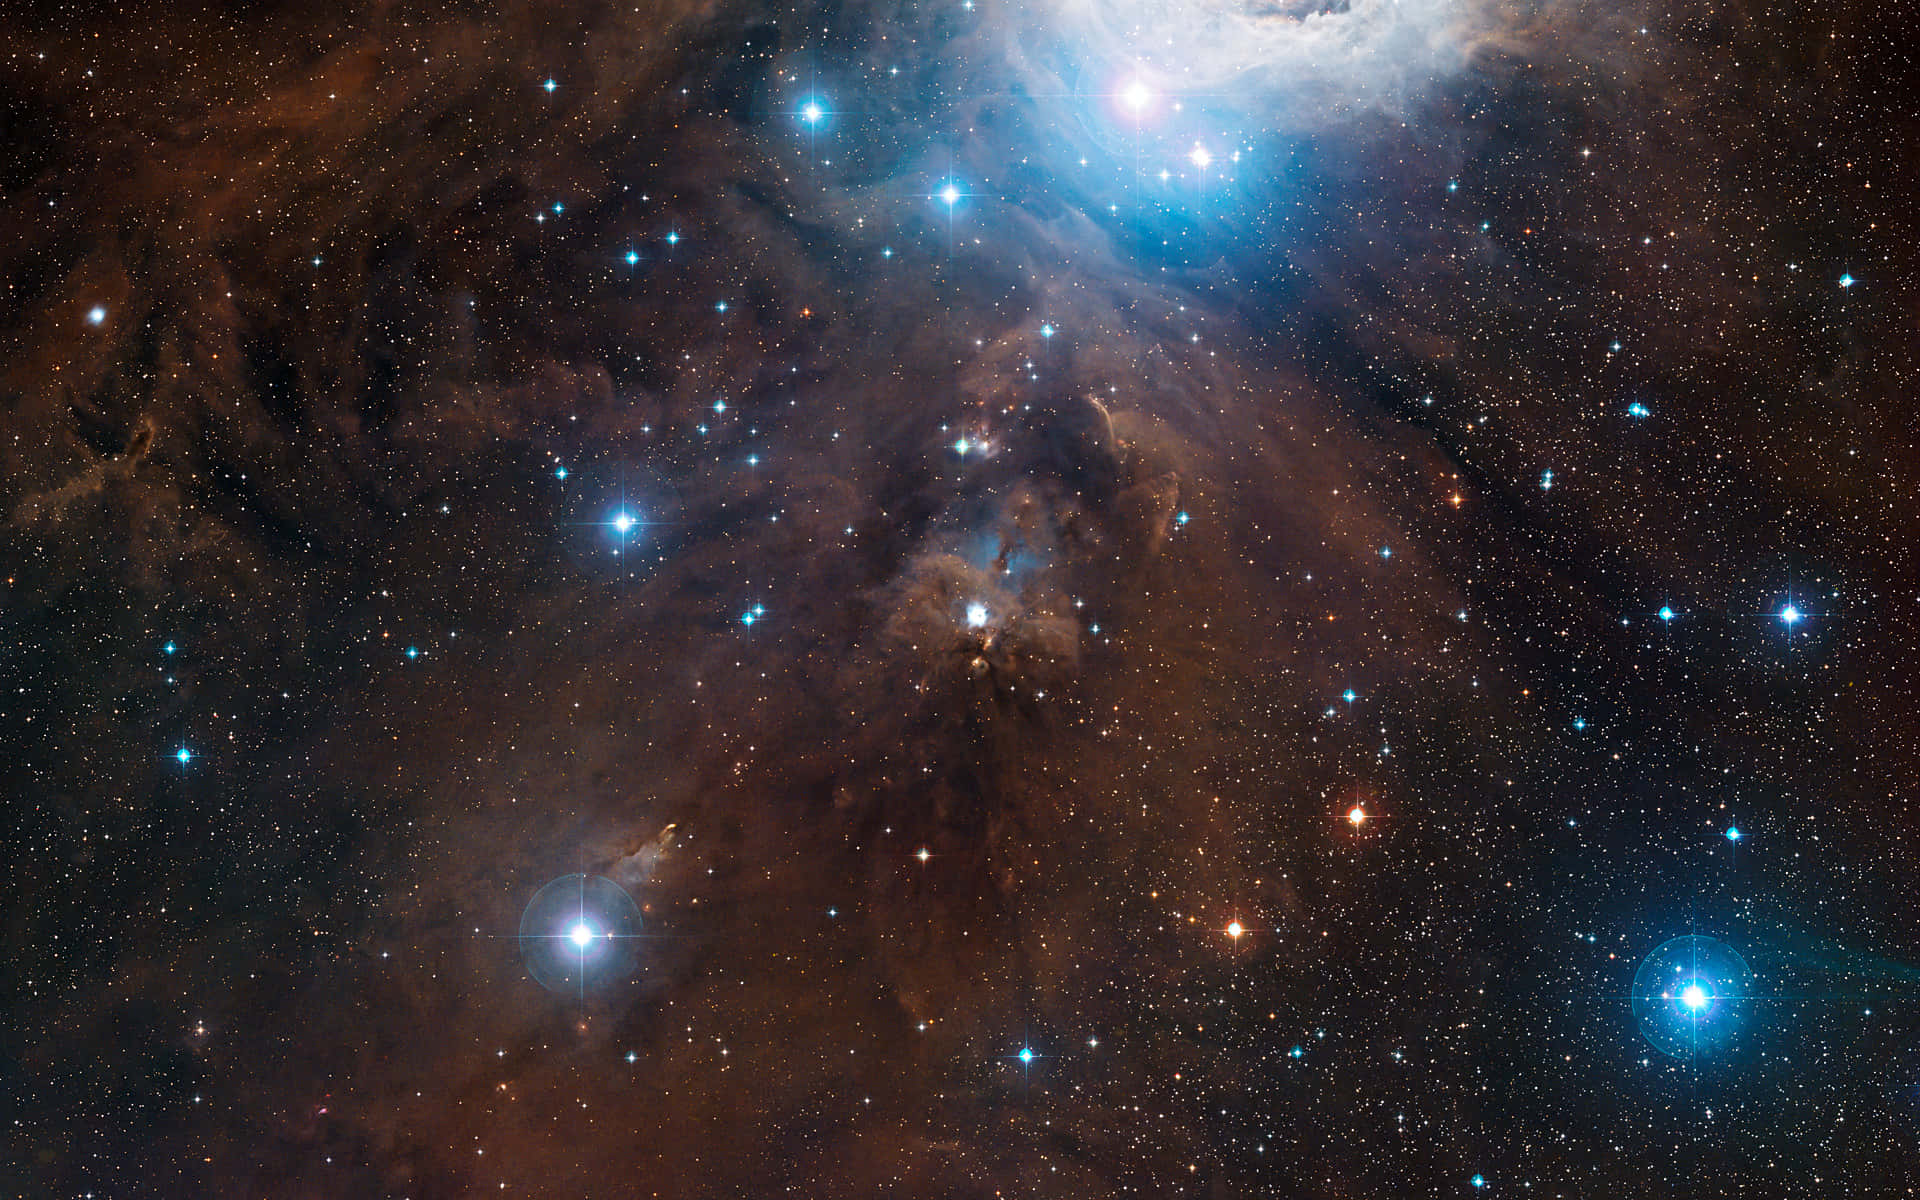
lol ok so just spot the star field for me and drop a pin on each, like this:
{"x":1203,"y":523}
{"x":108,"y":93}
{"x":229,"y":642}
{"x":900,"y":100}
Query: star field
{"x":981,"y":599}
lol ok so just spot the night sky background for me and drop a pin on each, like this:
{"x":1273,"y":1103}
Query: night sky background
{"x":1263,"y":554}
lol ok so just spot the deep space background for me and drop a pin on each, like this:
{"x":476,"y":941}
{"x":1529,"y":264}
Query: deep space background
{"x":954,"y":506}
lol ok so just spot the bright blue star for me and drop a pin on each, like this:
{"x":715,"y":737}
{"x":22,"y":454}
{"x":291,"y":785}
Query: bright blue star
{"x":1046,"y":331}
{"x":1695,"y":998}
{"x":812,"y":113}
{"x":1790,"y":615}
{"x":559,"y":472}
{"x":1181,"y":518}
{"x":720,"y":307}
{"x":96,"y":315}
{"x":961,"y":446}
{"x":1478,"y":1181}
{"x":1349,"y":695}
{"x":1847,"y":281}
{"x":673,"y":239}
{"x":183,"y":756}
{"x":1297,"y":1052}
{"x":550,"y":85}
{"x":1026,"y":1055}
{"x":950,"y":194}
{"x":633,"y":257}
{"x":1579,"y":724}
{"x":1637,"y":409}
{"x":1546,"y":481}
{"x":169,"y":648}
{"x":623,"y":522}
{"x":753,"y":614}
{"x":1733,"y":833}
{"x":1386,"y":552}
{"x":719,"y":406}
{"x":1666,"y":613}
{"x":413,"y":652}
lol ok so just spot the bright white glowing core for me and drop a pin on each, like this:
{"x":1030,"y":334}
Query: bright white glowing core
{"x":976,"y":615}
{"x":623,"y":522}
{"x":1694,"y":997}
{"x":811,"y":112}
{"x":1136,"y":96}
{"x":950,"y":194}
{"x":580,"y":936}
